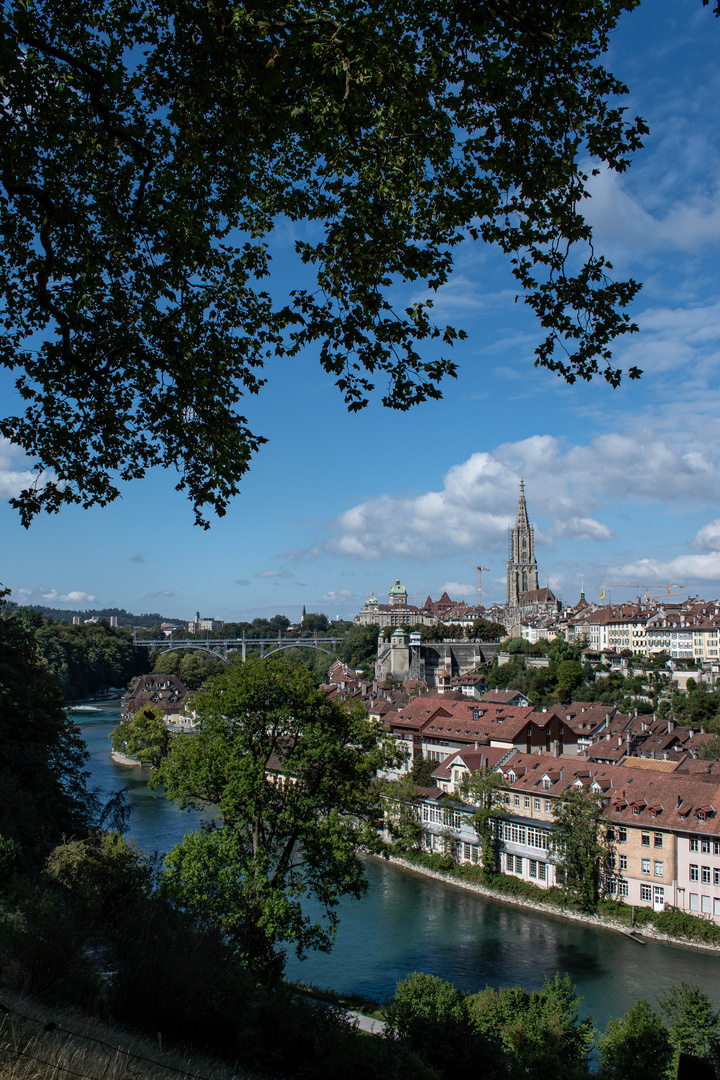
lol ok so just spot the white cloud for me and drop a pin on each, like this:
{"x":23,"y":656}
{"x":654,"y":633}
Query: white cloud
{"x":687,"y":225}
{"x":336,"y":596}
{"x":274,"y":574}
{"x":582,"y":528}
{"x":708,"y":537}
{"x":460,"y":590}
{"x":14,"y":472}
{"x":477,"y":502}
{"x":49,"y":596}
{"x":679,"y":571}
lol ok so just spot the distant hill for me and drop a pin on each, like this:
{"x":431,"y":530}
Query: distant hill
{"x":124,"y":618}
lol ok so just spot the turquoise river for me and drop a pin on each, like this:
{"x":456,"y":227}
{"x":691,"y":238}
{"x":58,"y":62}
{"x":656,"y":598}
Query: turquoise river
{"x":409,"y":923}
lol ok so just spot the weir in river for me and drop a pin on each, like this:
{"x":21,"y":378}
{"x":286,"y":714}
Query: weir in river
{"x":407,"y":923}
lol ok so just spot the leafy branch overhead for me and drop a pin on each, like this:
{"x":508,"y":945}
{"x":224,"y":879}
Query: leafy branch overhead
{"x":150,"y":149}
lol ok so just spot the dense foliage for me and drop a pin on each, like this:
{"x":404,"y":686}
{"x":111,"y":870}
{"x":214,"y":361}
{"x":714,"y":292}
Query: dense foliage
{"x":143,"y":736}
{"x":580,"y":847}
{"x":87,"y":659}
{"x":290,"y":772}
{"x":43,"y":792}
{"x":150,"y":151}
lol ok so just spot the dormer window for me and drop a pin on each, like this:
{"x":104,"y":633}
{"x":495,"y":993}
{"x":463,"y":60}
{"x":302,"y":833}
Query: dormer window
{"x":636,"y":810}
{"x":701,"y":815}
{"x":546,"y":783}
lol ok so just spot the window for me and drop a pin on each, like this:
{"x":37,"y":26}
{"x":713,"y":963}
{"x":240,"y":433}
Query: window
{"x":716,"y":877}
{"x":716,"y":848}
{"x":645,"y":836}
{"x":694,"y":901}
{"x":705,"y":875}
{"x":527,"y":801}
{"x":646,"y":866}
{"x":705,"y":902}
{"x":533,"y":868}
{"x":694,"y":873}
{"x":516,"y":799}
{"x":536,"y":804}
{"x":658,"y":869}
{"x":546,"y":783}
{"x":658,"y":839}
{"x":541,"y":871}
{"x":623,"y":862}
{"x":518,"y":865}
{"x":548,"y":806}
{"x":645,"y":892}
{"x":705,"y":847}
{"x":622,"y":888}
{"x":693,"y":845}
{"x":511,"y":863}
{"x":622,"y":836}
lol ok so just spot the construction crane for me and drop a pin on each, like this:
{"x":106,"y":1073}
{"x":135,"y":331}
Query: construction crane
{"x":644,"y":585}
{"x":480,"y":574}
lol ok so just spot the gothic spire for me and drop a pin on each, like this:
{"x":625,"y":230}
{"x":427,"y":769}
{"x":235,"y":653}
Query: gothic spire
{"x":522,"y":514}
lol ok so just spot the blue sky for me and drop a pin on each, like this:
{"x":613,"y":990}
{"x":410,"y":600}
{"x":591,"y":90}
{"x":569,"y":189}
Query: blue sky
{"x":623,"y":486}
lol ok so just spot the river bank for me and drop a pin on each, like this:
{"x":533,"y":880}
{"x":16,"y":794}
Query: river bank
{"x":412,"y":922}
{"x":601,"y":922}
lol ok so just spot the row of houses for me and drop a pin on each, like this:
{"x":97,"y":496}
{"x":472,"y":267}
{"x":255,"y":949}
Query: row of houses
{"x":685,"y":631}
{"x":661,"y":810}
{"x":663,"y":830}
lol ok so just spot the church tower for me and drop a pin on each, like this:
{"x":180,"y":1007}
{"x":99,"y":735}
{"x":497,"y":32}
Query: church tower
{"x":522,"y":571}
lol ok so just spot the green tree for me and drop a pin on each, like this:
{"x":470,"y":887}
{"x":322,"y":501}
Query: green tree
{"x":432,"y":1017}
{"x":359,"y":646}
{"x":540,"y":1033}
{"x":635,"y":1047}
{"x":484,"y":630}
{"x":196,"y":666}
{"x":314,"y":623}
{"x":404,"y":813}
{"x":693,"y":1023}
{"x":143,"y":736}
{"x":580,"y":849}
{"x":422,"y":770}
{"x":484,"y":790}
{"x":290,"y":773}
{"x":386,"y":140}
{"x":43,"y":791}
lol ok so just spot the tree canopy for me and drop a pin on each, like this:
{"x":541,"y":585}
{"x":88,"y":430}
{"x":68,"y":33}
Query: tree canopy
{"x":150,"y":149}
{"x":290,"y":773}
{"x":43,"y":791}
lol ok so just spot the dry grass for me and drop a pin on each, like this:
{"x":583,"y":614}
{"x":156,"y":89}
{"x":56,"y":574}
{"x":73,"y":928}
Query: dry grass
{"x":79,"y":1048}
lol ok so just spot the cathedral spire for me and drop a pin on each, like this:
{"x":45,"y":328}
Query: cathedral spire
{"x":522,"y":514}
{"x":522,"y":573}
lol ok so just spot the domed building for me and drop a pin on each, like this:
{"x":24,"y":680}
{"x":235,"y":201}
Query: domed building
{"x":396,"y":612}
{"x":398,"y":593}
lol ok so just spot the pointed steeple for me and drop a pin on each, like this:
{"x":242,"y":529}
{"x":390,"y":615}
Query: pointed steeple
{"x":522,"y":573}
{"x":521,"y":521}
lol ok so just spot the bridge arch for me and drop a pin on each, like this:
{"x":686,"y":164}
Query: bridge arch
{"x":296,"y":645}
{"x":180,"y":646}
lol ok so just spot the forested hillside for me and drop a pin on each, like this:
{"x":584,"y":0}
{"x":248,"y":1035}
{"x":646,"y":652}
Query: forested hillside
{"x":87,"y":659}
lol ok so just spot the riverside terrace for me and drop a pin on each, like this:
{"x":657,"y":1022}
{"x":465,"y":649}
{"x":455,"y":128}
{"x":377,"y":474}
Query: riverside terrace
{"x":664,"y":827}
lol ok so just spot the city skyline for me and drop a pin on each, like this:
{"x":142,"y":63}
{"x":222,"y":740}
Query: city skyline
{"x":621,"y":485}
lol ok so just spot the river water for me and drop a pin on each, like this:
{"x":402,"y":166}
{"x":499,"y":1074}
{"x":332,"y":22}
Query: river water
{"x":408,"y":923}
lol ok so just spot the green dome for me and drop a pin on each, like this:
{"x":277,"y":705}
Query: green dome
{"x":398,"y":589}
